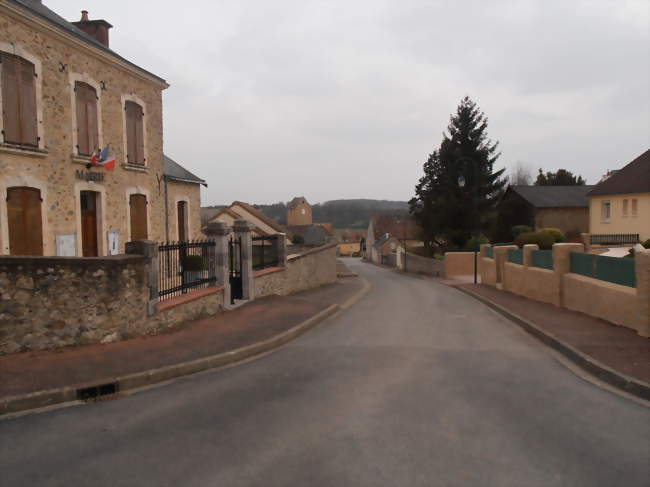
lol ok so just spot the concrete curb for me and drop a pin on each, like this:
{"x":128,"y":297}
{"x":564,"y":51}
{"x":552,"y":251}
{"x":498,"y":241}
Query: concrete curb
{"x":594,"y":367}
{"x":68,"y":395}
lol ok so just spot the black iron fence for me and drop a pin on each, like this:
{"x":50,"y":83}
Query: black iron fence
{"x":614,"y":239}
{"x":265,"y":252}
{"x":185,"y":266}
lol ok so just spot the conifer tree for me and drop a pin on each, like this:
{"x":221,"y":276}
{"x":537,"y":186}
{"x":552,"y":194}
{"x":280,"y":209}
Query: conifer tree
{"x":447,"y":212}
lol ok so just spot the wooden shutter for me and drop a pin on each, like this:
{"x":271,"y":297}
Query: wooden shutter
{"x":28,"y":121}
{"x":10,"y":105}
{"x":91,"y":115}
{"x":139,"y":134}
{"x":181,"y":210}
{"x":130,"y":132}
{"x":138,"y":210}
{"x":82,"y":119}
{"x":25,"y":222}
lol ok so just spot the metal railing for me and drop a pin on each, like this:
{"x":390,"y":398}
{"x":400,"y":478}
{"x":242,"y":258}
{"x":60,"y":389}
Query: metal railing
{"x":185,"y":266}
{"x":516,"y":256}
{"x":542,"y":259}
{"x":614,"y":239}
{"x":618,"y":270}
{"x":265,"y":252}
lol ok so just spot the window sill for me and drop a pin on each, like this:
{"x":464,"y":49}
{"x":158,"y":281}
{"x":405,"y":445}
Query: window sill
{"x":135,"y":167}
{"x":605,"y":221}
{"x":81,"y":159}
{"x":23,"y":150}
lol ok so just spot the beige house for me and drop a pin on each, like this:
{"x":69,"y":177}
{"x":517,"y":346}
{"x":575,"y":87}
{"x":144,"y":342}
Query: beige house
{"x":299,"y":212}
{"x":620,"y":204}
{"x":63,"y":94}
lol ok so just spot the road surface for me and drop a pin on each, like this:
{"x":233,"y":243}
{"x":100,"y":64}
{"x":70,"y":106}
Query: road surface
{"x":416,"y":385}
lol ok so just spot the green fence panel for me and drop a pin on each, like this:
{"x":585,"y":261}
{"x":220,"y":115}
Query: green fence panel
{"x":516,"y":256}
{"x":543,"y":259}
{"x":611,"y":269}
{"x":583,"y":264}
{"x":489,"y":252}
{"x":618,"y":270}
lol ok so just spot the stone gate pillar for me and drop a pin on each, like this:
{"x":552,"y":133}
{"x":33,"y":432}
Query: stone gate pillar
{"x":243,"y":230}
{"x":562,"y":264}
{"x":280,"y":248}
{"x":219,"y":232}
{"x":148,"y":249}
{"x":642,"y":269}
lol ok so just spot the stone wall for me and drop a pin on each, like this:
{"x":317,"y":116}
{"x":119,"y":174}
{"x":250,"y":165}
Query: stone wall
{"x":312,"y":269}
{"x":180,"y":191}
{"x":53,"y":170}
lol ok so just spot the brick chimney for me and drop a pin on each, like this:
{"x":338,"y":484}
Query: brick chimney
{"x":97,"y":29}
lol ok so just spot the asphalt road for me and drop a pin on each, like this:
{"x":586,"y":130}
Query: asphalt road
{"x":416,"y":385}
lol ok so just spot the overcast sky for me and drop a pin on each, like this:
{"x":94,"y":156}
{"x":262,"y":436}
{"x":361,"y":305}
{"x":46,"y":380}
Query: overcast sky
{"x":346,"y":99}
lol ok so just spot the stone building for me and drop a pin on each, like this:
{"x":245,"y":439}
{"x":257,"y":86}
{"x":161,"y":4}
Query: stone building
{"x":299,"y":212}
{"x":64,"y":94}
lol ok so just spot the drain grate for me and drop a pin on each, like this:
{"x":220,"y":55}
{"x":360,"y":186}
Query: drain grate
{"x":97,"y":392}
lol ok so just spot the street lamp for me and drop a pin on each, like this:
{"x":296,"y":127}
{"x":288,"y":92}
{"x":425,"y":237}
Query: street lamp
{"x":461,"y":184}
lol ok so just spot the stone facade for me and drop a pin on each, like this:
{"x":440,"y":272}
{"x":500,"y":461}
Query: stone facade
{"x":191,"y":194}
{"x":312,"y":269}
{"x":55,"y":168}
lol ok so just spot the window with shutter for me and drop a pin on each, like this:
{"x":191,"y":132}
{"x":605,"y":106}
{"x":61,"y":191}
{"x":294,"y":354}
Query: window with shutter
{"x":138,"y":210}
{"x":18,"y":100}
{"x":86,"y":109}
{"x":24,"y":221}
{"x":134,"y":133}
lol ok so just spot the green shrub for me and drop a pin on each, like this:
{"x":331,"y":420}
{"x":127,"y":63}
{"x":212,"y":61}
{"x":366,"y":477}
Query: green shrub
{"x":556,"y":232}
{"x":192,"y":263}
{"x":646,"y":244}
{"x":544,"y":240}
{"x":519,"y":229}
{"x":472,"y":245}
{"x":298,"y":240}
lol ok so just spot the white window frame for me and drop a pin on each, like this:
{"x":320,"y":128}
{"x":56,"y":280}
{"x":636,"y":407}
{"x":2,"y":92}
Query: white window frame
{"x":17,"y":49}
{"x":605,"y":204}
{"x":634,"y":210}
{"x":626,"y":205}
{"x":135,"y":99}
{"x":84,"y":78}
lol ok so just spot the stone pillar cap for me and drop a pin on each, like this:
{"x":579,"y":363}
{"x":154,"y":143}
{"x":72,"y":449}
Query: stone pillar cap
{"x":242,"y":226}
{"x":217,"y":228}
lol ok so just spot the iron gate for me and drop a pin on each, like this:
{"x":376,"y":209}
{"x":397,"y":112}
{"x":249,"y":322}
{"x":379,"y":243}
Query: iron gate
{"x":234,"y":252}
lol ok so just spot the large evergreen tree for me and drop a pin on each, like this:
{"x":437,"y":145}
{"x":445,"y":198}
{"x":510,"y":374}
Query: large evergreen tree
{"x":447,"y":212}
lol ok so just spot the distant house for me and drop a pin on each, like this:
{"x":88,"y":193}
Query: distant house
{"x":620,"y":204}
{"x":563,"y":207}
{"x":403,"y":228}
{"x":312,"y":235}
{"x":299,"y":212}
{"x":240,"y":210}
{"x":383,"y":247}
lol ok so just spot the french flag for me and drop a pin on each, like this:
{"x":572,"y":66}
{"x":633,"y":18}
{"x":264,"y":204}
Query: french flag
{"x":101,"y":158}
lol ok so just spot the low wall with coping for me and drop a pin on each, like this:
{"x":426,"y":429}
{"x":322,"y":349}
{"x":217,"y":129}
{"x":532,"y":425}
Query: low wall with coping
{"x":309,"y":270}
{"x":602,"y":299}
{"x":459,"y":263}
{"x":532,"y":282}
{"x":422,"y":265}
{"x":487,"y":267}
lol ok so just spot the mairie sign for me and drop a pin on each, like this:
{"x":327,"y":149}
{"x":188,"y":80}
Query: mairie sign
{"x":97,"y":177}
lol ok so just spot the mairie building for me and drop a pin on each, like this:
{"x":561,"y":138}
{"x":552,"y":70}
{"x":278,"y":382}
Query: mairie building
{"x":63,"y":95}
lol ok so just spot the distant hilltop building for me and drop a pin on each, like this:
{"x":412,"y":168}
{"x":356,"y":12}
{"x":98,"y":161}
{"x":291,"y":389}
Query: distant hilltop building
{"x":299,"y":212}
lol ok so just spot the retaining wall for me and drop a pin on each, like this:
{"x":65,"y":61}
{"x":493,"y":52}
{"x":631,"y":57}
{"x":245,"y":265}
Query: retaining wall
{"x":422,"y":265}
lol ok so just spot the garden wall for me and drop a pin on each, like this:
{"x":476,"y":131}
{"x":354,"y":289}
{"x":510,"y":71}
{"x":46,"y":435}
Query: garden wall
{"x":459,"y":264}
{"x":422,"y":265}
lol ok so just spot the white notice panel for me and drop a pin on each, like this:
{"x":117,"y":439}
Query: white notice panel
{"x":66,"y":245}
{"x":113,"y":243}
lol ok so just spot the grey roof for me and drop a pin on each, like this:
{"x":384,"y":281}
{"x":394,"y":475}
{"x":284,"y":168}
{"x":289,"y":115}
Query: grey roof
{"x":37,"y":8}
{"x":385,"y":238}
{"x":633,"y":178}
{"x":553,"y":196}
{"x":174,"y":171}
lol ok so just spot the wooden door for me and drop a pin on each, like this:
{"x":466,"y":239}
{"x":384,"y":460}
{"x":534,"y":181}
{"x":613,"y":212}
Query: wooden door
{"x":138,"y":208}
{"x":25,"y":221}
{"x":88,"y":223}
{"x":182,"y":219}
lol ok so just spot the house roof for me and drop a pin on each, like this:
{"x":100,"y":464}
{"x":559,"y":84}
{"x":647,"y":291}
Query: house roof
{"x":37,"y":8}
{"x":208,"y":214}
{"x":382,"y":241}
{"x":553,"y":196}
{"x":259,"y":214}
{"x":633,"y":178}
{"x":174,"y":171}
{"x":296,"y":201}
{"x":402,"y":227}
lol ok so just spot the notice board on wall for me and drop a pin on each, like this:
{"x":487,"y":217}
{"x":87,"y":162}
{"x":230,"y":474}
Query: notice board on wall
{"x":66,"y":245}
{"x":113,"y":243}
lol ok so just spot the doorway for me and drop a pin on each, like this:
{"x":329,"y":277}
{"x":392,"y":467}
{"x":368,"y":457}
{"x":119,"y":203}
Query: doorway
{"x":138,"y":211}
{"x":25,"y":222}
{"x":88,"y":203}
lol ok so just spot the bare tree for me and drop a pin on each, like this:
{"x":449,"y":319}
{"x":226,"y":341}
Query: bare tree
{"x":521,"y":174}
